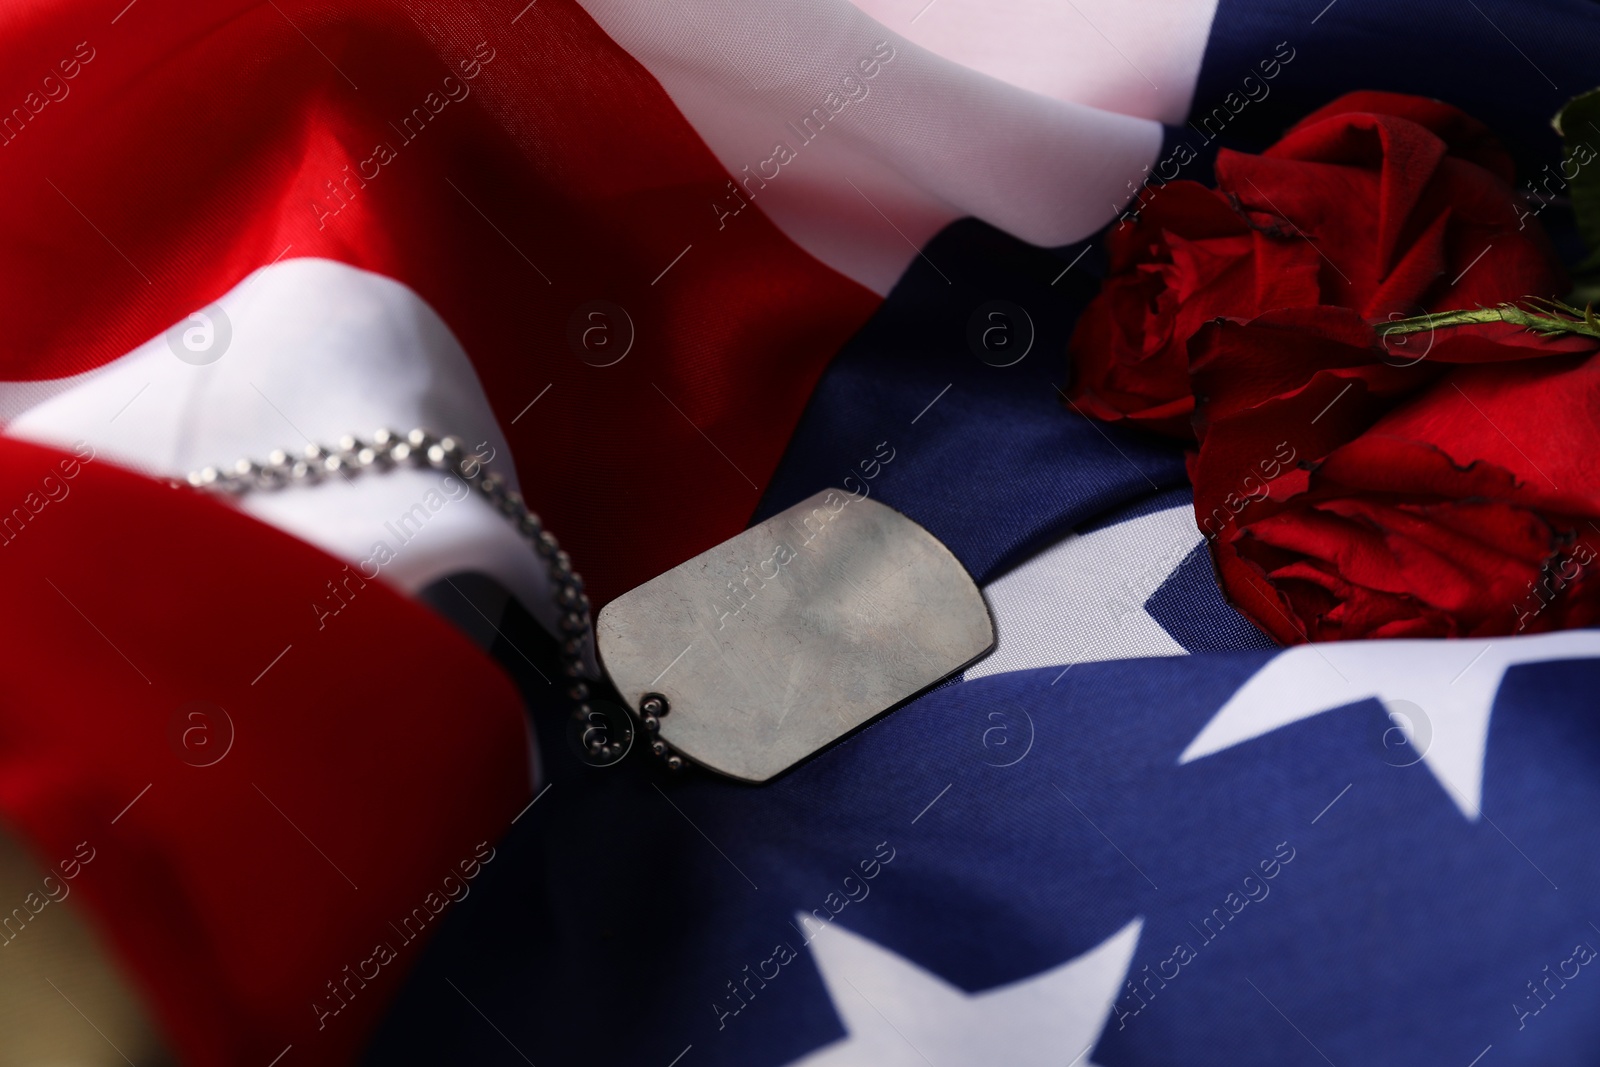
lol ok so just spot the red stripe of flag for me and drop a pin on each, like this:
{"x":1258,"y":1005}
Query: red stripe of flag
{"x":509,"y":172}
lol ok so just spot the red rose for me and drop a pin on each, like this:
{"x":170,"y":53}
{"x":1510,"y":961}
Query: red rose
{"x":1347,"y":495}
{"x":1380,"y":203}
{"x":1189,"y":259}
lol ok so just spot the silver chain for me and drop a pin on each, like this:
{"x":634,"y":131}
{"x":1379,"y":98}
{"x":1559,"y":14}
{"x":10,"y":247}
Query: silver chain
{"x":419,"y":448}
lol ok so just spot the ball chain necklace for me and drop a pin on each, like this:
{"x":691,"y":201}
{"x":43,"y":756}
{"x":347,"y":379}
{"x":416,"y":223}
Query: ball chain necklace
{"x":767,"y":648}
{"x":603,"y":739}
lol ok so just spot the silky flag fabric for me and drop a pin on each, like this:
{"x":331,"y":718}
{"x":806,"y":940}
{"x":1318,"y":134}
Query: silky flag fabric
{"x":678,"y":266}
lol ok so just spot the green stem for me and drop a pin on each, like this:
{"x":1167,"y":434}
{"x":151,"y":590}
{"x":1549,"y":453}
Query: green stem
{"x":1560,"y":319}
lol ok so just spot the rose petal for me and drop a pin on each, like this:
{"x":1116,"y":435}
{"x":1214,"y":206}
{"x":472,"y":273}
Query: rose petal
{"x":1465,"y":135}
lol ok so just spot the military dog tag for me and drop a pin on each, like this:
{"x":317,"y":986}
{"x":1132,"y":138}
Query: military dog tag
{"x":785,"y":638}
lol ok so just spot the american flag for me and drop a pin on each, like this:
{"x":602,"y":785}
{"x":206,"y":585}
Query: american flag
{"x":680,"y":265}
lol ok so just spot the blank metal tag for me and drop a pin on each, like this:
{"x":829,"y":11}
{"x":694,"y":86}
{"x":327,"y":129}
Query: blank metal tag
{"x":785,"y":638}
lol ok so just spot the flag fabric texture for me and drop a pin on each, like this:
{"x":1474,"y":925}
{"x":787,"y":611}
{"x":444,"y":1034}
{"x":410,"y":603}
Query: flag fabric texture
{"x":680,"y":266}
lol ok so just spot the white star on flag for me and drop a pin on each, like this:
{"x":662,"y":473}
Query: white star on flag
{"x":900,"y":1015}
{"x":1082,"y":600}
{"x":1438,"y":693}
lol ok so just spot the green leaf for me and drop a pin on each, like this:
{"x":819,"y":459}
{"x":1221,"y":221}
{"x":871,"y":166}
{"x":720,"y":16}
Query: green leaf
{"x":1578,"y":123}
